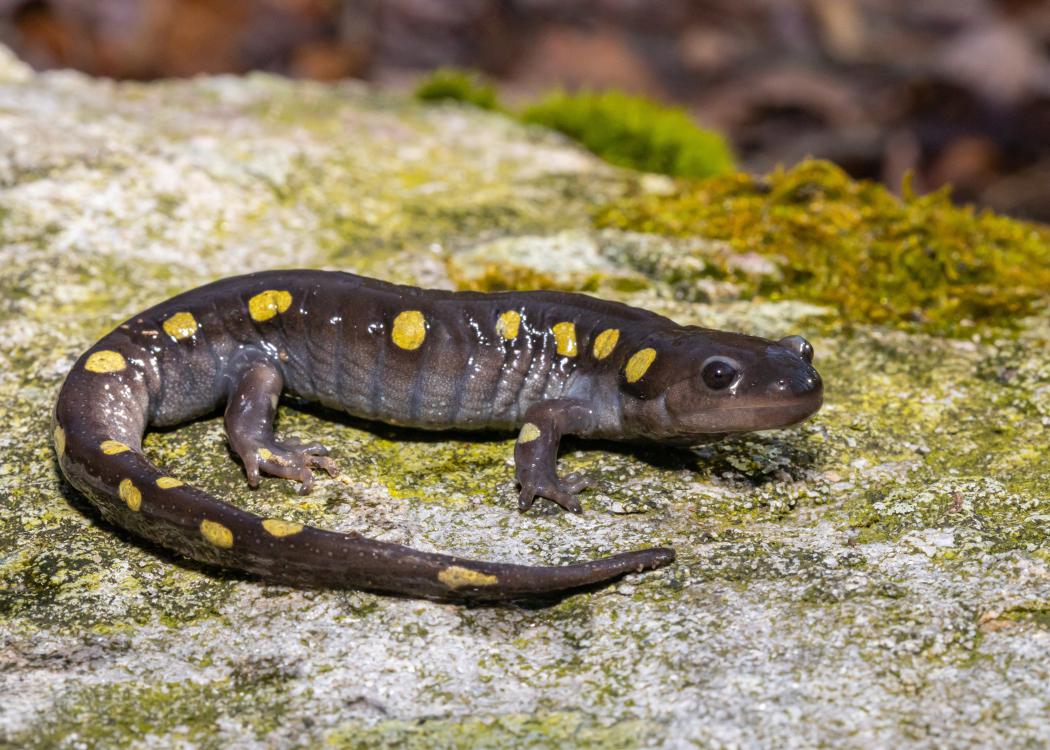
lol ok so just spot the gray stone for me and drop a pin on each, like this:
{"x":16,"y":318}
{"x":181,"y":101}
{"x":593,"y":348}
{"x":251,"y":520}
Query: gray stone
{"x":877,"y":577}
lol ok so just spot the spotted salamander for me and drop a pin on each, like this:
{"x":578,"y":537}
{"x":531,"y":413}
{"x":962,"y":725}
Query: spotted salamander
{"x":545,"y":363}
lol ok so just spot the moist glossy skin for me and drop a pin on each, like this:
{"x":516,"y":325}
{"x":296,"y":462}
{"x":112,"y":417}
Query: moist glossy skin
{"x":546,"y":363}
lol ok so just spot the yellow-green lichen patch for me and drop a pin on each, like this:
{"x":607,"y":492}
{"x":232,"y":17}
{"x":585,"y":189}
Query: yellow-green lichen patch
{"x":429,"y":195}
{"x":530,"y":731}
{"x":455,"y":473}
{"x":159,"y":713}
{"x":976,"y":515}
{"x":912,"y":261}
{"x":929,"y":434}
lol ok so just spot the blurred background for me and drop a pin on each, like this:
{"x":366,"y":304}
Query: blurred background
{"x":954,"y":91}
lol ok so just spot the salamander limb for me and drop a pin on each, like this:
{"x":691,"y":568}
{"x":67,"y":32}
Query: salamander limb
{"x":252,"y":403}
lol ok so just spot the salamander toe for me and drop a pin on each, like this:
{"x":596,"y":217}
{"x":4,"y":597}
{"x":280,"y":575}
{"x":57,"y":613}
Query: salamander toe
{"x":292,"y":460}
{"x":562,"y":492}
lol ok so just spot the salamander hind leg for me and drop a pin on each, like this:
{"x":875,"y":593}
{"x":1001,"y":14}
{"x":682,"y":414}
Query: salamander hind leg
{"x":536,"y":453}
{"x":254,"y":390}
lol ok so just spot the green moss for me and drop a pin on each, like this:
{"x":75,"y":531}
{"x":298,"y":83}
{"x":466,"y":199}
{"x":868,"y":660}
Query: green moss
{"x":451,"y":84}
{"x":911,"y":261}
{"x":493,"y":277}
{"x":628,"y":131}
{"x":634,"y":132}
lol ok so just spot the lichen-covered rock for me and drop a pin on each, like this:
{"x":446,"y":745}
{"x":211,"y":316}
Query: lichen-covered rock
{"x":879,"y":576}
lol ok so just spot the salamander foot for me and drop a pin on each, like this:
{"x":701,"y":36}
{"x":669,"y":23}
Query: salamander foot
{"x":561,"y":491}
{"x":288,"y":459}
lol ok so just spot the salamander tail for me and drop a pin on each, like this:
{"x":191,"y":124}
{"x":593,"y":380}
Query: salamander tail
{"x":97,"y":432}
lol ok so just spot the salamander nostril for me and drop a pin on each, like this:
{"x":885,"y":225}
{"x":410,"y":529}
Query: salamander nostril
{"x":799,"y":346}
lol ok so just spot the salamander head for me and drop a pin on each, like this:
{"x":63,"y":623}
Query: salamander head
{"x":735,"y":383}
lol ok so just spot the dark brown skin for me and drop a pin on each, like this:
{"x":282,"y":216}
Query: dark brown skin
{"x":548,"y":363}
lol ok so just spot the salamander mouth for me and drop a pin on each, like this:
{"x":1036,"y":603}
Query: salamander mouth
{"x":772,"y":415}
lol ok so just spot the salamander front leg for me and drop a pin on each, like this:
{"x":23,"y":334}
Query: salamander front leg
{"x":249,"y":427}
{"x":536,"y":452}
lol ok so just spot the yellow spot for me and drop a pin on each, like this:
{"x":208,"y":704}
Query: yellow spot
{"x":409,"y":329}
{"x":277,"y":527}
{"x":105,"y":361}
{"x":507,"y":325}
{"x":529,"y":432}
{"x":166,"y":483}
{"x":606,"y":342}
{"x":113,"y":447}
{"x":456,"y":577}
{"x":565,"y":338}
{"x":60,"y":441}
{"x":217,"y":534}
{"x":130,"y":494}
{"x":268,"y":455}
{"x":638,"y":364}
{"x":265,"y":305}
{"x":181,"y":325}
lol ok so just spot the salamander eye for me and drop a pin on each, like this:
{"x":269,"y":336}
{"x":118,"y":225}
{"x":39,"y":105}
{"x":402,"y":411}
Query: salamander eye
{"x":718,"y":375}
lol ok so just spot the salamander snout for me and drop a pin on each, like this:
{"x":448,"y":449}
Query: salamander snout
{"x":801,"y":381}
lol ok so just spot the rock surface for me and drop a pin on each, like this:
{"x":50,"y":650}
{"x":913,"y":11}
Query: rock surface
{"x":879,"y":576}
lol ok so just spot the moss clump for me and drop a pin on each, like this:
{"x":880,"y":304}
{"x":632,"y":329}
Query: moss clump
{"x":495,"y":278}
{"x":634,"y":132}
{"x":450,"y":84}
{"x":916,"y":261}
{"x":628,"y":131}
